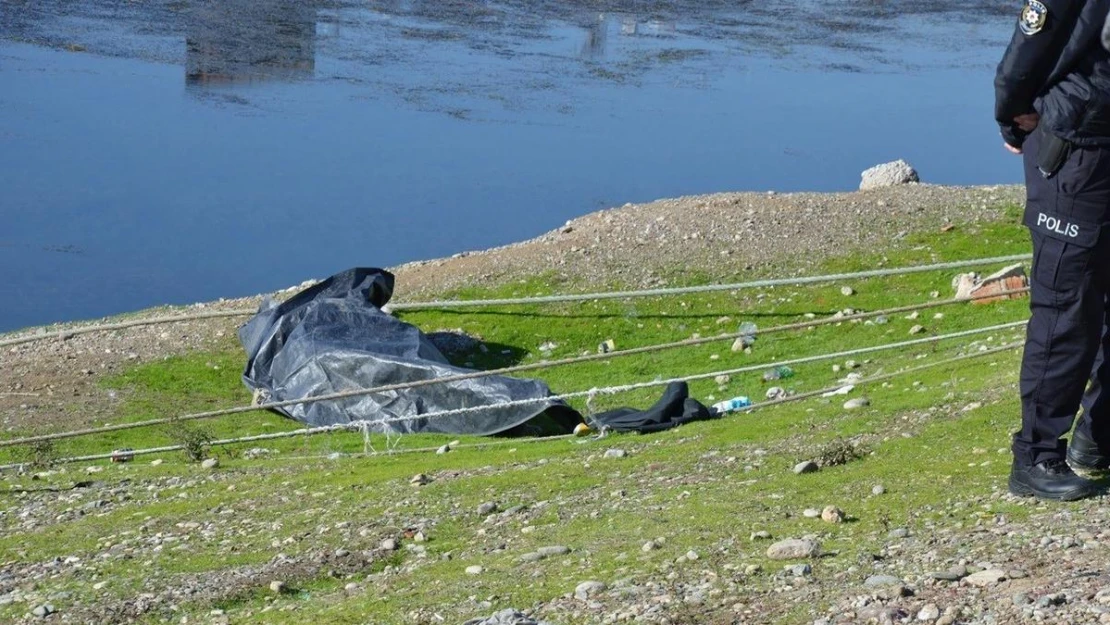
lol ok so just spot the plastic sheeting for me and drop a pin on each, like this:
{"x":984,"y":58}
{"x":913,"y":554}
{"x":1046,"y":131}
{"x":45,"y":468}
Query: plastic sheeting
{"x":333,"y":337}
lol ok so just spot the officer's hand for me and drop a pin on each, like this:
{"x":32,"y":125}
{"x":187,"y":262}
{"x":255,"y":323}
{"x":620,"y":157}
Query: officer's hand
{"x":1011,"y":148}
{"x":1027,"y":122}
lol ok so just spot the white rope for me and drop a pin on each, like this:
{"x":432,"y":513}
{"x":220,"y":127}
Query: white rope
{"x":255,"y":405}
{"x":580,"y":297}
{"x":893,"y":271}
{"x":357,"y":425}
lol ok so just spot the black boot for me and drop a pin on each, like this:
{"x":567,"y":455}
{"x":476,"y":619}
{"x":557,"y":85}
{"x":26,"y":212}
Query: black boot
{"x":1051,"y":479}
{"x":1086,"y":454}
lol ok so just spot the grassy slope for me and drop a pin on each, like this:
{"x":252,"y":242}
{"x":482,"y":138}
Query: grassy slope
{"x":705,"y":486}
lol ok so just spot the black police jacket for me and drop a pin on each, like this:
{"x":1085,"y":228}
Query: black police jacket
{"x":1056,"y":66}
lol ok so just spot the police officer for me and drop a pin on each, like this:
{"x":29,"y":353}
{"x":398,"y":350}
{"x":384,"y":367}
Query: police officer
{"x":1052,"y":101}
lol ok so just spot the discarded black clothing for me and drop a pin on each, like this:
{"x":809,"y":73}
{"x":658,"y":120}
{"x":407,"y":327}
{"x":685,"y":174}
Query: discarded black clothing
{"x":333,"y":337}
{"x":673,"y":409}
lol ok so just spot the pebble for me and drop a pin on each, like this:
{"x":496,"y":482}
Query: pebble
{"x":878,"y":489}
{"x":277,"y":587}
{"x":793,"y":548}
{"x":691,"y":555}
{"x":487,"y":508}
{"x":856,"y":402}
{"x":799,"y":570}
{"x":210,"y":463}
{"x":832,"y":514}
{"x":615,"y":453}
{"x":988,"y":577}
{"x":952,"y":575}
{"x":532,"y":557}
{"x":554,"y":550}
{"x":808,"y":466}
{"x":929,"y":613}
{"x":882,"y":580}
{"x":586,"y":590}
{"x":474,"y":570}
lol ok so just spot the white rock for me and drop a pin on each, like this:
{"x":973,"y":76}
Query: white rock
{"x":474,"y":570}
{"x":585,"y":590}
{"x":793,"y":548}
{"x":888,"y":175}
{"x":210,"y":463}
{"x":988,"y":577}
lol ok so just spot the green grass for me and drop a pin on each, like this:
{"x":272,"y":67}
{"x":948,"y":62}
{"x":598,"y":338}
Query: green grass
{"x":705,"y":486}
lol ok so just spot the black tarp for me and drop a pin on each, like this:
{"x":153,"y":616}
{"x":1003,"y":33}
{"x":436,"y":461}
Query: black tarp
{"x":333,"y":337}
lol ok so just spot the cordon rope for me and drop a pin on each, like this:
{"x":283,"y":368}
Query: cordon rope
{"x":439,"y":304}
{"x":359,"y":425}
{"x":501,"y":371}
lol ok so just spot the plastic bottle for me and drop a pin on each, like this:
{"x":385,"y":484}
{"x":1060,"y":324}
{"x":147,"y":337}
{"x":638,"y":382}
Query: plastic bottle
{"x":732,"y":405}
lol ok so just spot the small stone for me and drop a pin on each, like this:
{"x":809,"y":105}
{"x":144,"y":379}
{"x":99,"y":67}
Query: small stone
{"x":808,"y":466}
{"x":856,"y":402}
{"x":878,"y":489}
{"x":691,"y":555}
{"x":832,"y":514}
{"x":649,"y":546}
{"x":278,"y":587}
{"x":900,"y":532}
{"x":799,"y":570}
{"x":952,"y":575}
{"x":532,"y":557}
{"x":586,"y":590}
{"x":554,"y":550}
{"x":776,"y":392}
{"x":210,"y":463}
{"x":989,"y":577}
{"x":811,"y":513}
{"x":847,"y":290}
{"x":419,"y":537}
{"x":487,"y":508}
{"x":929,"y":613}
{"x":389,"y":544}
{"x":474,"y":570}
{"x":917,"y":329}
{"x":792,"y":549}
{"x":882,"y":580}
{"x":836,"y":368}
{"x":615,"y":453}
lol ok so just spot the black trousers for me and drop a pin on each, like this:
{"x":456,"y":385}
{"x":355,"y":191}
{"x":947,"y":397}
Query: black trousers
{"x":1068,"y":339}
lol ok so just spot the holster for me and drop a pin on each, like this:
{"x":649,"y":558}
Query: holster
{"x":1051,"y":154}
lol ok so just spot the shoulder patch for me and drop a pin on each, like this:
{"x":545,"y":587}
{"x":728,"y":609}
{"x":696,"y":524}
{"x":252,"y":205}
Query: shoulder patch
{"x":1033,"y":17}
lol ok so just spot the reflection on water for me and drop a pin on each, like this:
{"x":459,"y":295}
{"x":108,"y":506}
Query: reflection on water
{"x":236,"y":41}
{"x":314,"y":135}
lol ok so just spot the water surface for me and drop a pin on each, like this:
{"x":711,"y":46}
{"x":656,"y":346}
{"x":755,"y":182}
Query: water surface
{"x":179,"y":151}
